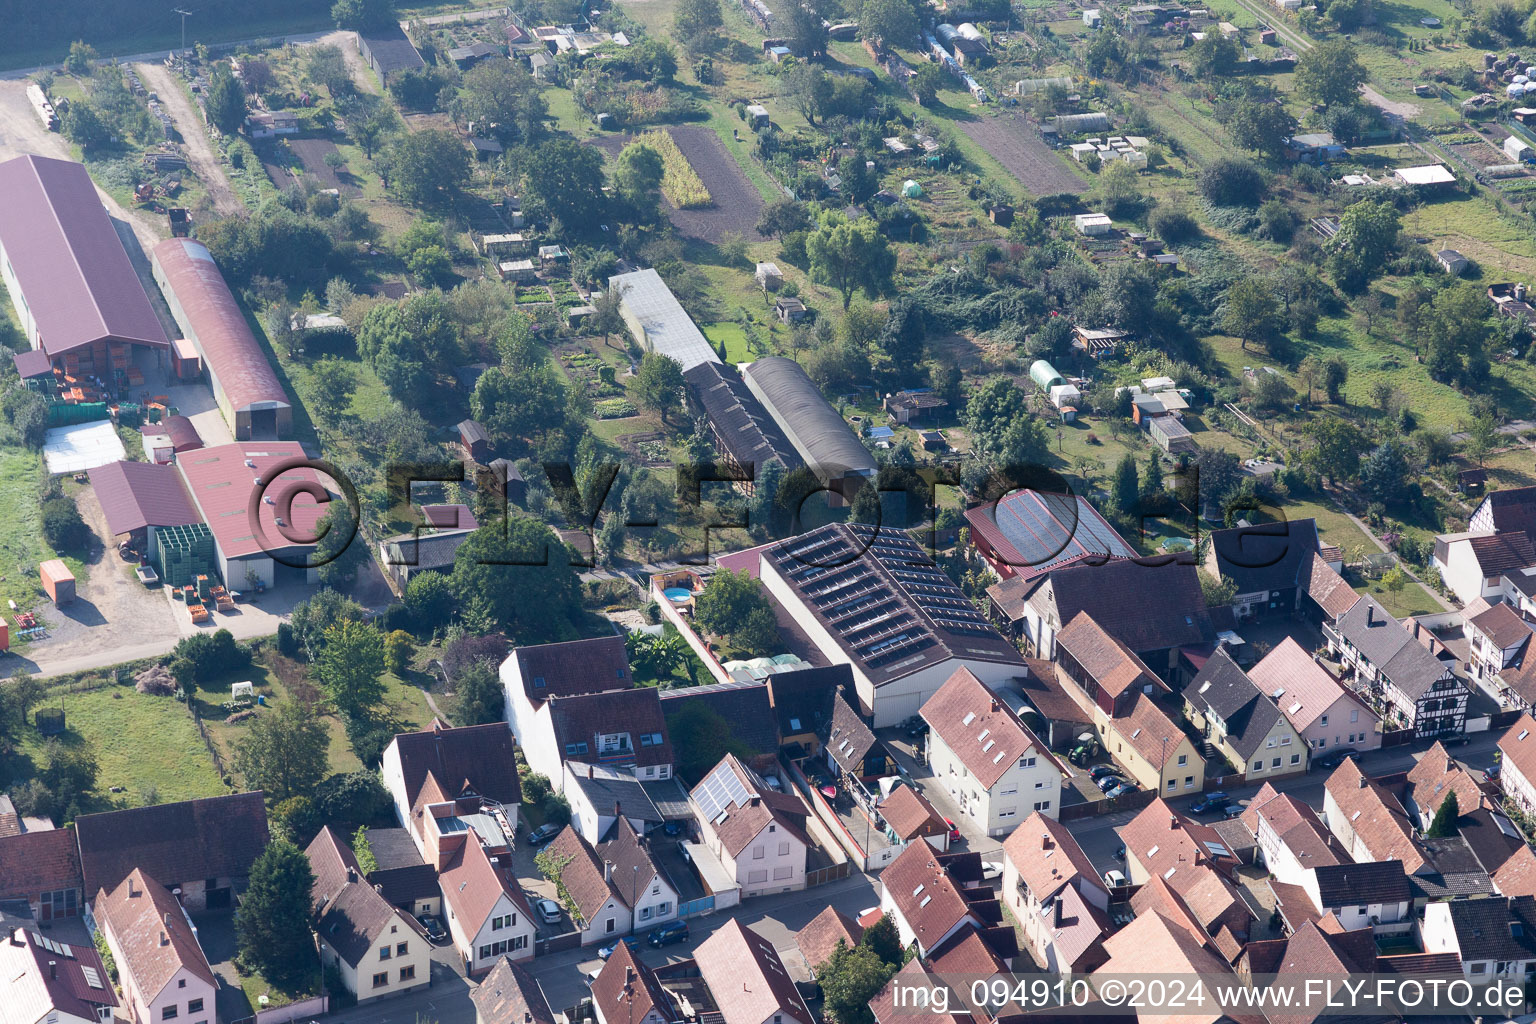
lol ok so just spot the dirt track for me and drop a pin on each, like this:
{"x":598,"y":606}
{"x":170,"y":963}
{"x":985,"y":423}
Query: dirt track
{"x":194,"y":137}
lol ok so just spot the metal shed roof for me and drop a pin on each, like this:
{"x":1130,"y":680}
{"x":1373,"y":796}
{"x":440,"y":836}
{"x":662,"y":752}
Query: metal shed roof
{"x":211,"y":318}
{"x":138,"y":494}
{"x":816,"y":429}
{"x":222,"y":485}
{"x":76,"y":277}
{"x":667,"y":326}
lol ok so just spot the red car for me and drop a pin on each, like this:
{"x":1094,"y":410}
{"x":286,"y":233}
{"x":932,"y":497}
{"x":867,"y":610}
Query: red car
{"x":954,"y":833}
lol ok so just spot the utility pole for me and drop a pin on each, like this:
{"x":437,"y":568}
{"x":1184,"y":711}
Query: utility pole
{"x":185,"y":14}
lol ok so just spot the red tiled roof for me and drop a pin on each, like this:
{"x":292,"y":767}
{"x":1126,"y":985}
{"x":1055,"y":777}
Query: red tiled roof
{"x":330,"y":859}
{"x":747,"y":978}
{"x":1047,"y":857}
{"x":628,"y":990}
{"x":482,"y":755}
{"x":1145,"y":726}
{"x":1112,"y":664}
{"x":1517,"y":875}
{"x":1329,"y":590}
{"x":1041,"y":684}
{"x":966,"y":953}
{"x":821,"y":934}
{"x":982,"y":731}
{"x":924,"y":894}
{"x":1297,"y":826}
{"x":138,"y":494}
{"x":472,"y":884}
{"x":1435,"y":776}
{"x":79,"y":284}
{"x":37,"y":862}
{"x":1306,"y":689}
{"x":582,"y":874}
{"x":596,"y":665}
{"x":1503,"y":626}
{"x":215,"y":837}
{"x":509,"y":995}
{"x":1375,"y":815}
{"x":1294,"y":904}
{"x":137,"y":914}
{"x":1164,"y":842}
{"x":909,"y":814}
{"x":1151,"y":944}
{"x":40,"y":984}
{"x":223,"y":486}
{"x":212,"y":318}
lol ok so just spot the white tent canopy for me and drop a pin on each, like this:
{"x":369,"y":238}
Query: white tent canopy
{"x":82,"y":446}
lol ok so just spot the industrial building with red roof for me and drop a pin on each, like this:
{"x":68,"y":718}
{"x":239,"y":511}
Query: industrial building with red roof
{"x":226,"y":480}
{"x":71,"y":282}
{"x":247,"y":389}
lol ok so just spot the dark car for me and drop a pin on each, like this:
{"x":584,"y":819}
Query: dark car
{"x":543,"y":834}
{"x":1121,"y":790}
{"x":1336,"y":757}
{"x":433,"y":927}
{"x":1209,"y":802}
{"x":1099,"y":771}
{"x":665,"y":935}
{"x":1233,"y":810}
{"x":1120,"y":852}
{"x":1491,"y":773}
{"x":914,"y":726}
{"x":1108,"y":783}
{"x":608,"y":950}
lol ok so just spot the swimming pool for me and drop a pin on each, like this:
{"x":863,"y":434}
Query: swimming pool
{"x":677,"y":595}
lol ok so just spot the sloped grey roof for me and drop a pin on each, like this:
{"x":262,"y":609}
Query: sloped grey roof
{"x":816,"y":429}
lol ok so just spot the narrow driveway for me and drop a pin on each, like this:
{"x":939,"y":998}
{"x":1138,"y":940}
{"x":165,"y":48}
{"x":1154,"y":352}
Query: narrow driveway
{"x":194,"y":136}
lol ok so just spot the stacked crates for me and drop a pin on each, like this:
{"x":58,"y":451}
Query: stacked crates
{"x":184,"y":553}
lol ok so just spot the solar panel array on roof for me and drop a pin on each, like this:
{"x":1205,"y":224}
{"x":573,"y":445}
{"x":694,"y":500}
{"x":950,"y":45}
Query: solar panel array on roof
{"x":878,"y":592}
{"x":1046,"y":528}
{"x":721,"y":790}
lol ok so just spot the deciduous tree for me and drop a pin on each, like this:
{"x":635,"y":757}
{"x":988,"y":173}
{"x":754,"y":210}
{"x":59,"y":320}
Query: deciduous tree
{"x":351,"y":667}
{"x":850,"y":255}
{"x":285,"y":752}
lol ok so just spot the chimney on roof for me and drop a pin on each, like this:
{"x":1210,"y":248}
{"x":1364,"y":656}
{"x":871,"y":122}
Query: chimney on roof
{"x":617,"y":811}
{"x":351,"y":874}
{"x":167,"y":918}
{"x":607,"y":870}
{"x":1450,"y":763}
{"x":53,"y":969}
{"x":164,"y":940}
{"x":996,"y":707}
{"x":1173,"y":821}
{"x":1362,"y":780}
{"x":1370,"y":614}
{"x":591,"y":771}
{"x":378,"y":888}
{"x":16,"y":939}
{"x":1045,"y":840}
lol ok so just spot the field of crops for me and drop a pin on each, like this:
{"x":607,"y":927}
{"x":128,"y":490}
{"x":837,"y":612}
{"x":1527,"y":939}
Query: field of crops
{"x":680,"y":182}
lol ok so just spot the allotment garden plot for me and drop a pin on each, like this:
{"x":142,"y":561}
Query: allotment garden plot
{"x":1018,"y":147}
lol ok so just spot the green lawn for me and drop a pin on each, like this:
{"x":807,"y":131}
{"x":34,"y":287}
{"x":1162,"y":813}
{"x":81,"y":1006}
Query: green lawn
{"x":145,"y":745}
{"x":735,"y":339}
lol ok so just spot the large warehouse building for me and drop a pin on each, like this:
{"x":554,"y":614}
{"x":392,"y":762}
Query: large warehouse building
{"x":819,"y":433}
{"x":658,"y":321}
{"x":224,"y":483}
{"x":247,"y":389}
{"x":70,"y":279}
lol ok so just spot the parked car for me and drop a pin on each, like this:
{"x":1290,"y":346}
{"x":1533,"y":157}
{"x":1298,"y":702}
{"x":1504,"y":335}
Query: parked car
{"x":1098,"y":771}
{"x":549,"y":911}
{"x":543,"y":834}
{"x":1121,"y":790}
{"x":1210,"y":802}
{"x":1336,"y":757}
{"x":628,"y":940}
{"x":991,"y":869}
{"x":1108,"y":782}
{"x":914,"y":726}
{"x":1114,"y":878}
{"x":1120,"y":852}
{"x":1233,"y":810}
{"x":1491,"y":773}
{"x":665,"y":935}
{"x":433,"y":927}
{"x":954,"y":832}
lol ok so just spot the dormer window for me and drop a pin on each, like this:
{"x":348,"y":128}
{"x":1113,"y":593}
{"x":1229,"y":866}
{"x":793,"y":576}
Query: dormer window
{"x":538,"y":681}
